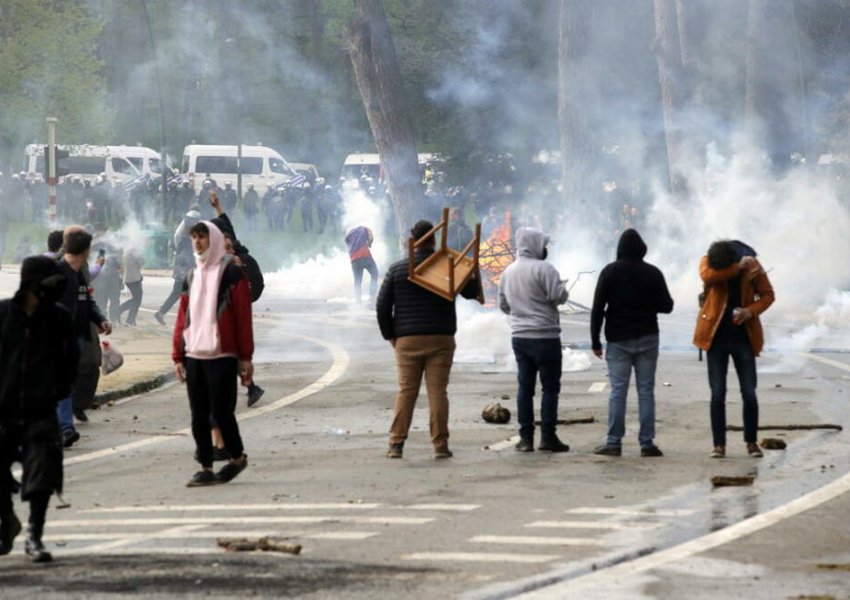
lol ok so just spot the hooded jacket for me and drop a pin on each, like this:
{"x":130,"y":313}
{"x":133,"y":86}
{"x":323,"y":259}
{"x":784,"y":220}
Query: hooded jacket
{"x":756,"y":294}
{"x":531,"y":289}
{"x":629,"y":295}
{"x":214,"y":319}
{"x":38,"y":353}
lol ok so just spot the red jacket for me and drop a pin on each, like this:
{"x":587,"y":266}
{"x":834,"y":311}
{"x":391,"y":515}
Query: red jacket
{"x":235,"y":327}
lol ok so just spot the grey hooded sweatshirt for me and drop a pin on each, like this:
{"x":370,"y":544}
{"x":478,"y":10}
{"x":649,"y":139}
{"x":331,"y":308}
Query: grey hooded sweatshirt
{"x":531,"y":289}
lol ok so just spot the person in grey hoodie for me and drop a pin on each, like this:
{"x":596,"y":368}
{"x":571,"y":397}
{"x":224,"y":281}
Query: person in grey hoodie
{"x":629,"y":295}
{"x":529,"y":293}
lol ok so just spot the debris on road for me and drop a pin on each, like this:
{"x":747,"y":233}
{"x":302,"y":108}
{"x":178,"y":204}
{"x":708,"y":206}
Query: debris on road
{"x":263,"y":544}
{"x":789,"y":427}
{"x":576,"y":421}
{"x":725,"y":481}
{"x":496,"y":413}
{"x":773,"y":444}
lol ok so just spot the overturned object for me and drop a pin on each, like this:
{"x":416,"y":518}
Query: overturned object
{"x":724,"y":481}
{"x":446,"y":271}
{"x":773,"y":444}
{"x":264,"y":544}
{"x":496,"y":413}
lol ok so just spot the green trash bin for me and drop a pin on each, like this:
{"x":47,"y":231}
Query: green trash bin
{"x":157,"y":252}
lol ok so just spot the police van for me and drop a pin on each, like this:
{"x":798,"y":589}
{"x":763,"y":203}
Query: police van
{"x":260,"y":165}
{"x":85,"y":161}
{"x":146,"y":160}
{"x":360,"y":165}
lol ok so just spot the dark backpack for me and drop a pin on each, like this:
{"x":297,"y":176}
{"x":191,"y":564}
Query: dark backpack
{"x":255,"y":276}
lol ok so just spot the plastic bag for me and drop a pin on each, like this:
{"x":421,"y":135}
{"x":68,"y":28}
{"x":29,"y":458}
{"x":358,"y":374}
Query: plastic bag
{"x":112,"y":358}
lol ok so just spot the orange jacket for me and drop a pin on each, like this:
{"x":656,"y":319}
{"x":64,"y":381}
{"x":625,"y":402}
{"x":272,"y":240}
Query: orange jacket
{"x":756,"y":295}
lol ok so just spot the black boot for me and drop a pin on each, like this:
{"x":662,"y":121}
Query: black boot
{"x":34,"y":548}
{"x":10,"y":527}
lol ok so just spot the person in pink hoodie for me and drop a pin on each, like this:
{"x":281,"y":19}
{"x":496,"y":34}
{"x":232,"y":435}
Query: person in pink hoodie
{"x":213,"y":342}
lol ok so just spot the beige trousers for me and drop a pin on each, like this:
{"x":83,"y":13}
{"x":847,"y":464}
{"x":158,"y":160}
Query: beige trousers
{"x":432,"y":356}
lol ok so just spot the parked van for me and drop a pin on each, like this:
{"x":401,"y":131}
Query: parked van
{"x":146,"y":160}
{"x":357,"y":165}
{"x":84,"y":160}
{"x":260,"y":166}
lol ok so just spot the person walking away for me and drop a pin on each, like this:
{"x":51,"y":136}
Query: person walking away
{"x":629,"y":295}
{"x":736,"y":291}
{"x":421,"y":326}
{"x":183,"y":262}
{"x":88,"y":322}
{"x":38,"y":365}
{"x":359,"y":239}
{"x":530,"y":291}
{"x":213,"y":341}
{"x":133,"y":263}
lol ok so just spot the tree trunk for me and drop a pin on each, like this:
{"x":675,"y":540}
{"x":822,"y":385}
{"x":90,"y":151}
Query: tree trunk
{"x":668,"y":57}
{"x":579,"y":151}
{"x":378,"y":77}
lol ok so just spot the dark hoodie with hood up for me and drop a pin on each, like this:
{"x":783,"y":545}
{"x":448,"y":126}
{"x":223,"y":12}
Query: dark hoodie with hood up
{"x":629,"y":294}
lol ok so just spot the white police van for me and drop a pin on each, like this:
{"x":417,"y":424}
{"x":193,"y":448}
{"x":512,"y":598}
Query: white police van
{"x":260,"y":165}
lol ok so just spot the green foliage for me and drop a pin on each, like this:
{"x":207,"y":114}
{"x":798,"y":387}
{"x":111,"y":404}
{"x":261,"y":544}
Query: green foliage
{"x":49,"y":67}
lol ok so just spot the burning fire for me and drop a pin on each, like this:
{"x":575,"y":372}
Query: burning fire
{"x":494,"y":256}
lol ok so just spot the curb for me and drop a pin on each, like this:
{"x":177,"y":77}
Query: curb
{"x":142,"y":387}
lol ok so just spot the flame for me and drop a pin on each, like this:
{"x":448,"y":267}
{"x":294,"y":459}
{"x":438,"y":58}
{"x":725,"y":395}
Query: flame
{"x":496,"y":253}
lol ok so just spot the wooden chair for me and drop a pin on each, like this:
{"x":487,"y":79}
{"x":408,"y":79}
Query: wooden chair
{"x":446,"y":271}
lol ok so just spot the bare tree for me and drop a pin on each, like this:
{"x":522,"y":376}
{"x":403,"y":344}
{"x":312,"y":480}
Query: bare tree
{"x":378,"y":77}
{"x":578,"y":149}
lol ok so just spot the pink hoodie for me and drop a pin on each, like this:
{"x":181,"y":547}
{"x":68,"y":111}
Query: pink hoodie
{"x":202,"y":338}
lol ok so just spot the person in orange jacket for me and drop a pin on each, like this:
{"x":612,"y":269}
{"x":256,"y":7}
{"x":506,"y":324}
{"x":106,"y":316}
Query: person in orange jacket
{"x":736,"y":292}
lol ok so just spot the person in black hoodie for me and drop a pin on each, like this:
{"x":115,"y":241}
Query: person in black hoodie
{"x":38,"y":366}
{"x":629,"y":295}
{"x":421,"y":326}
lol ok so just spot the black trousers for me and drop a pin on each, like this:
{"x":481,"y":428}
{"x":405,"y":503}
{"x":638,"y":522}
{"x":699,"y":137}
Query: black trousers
{"x":211,"y":385}
{"x":37,"y":444}
{"x":134,"y":302}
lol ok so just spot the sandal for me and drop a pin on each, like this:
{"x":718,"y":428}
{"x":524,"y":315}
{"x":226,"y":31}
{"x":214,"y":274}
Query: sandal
{"x":229,"y":471}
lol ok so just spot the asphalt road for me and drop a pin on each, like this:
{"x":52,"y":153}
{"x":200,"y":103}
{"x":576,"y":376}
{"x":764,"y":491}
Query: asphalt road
{"x":487,"y":523}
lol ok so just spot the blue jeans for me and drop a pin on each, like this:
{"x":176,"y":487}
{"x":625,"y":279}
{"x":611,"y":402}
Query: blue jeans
{"x":642,"y":355}
{"x":357,"y":267}
{"x":535,"y":356}
{"x":745,"y":366}
{"x":65,"y":407}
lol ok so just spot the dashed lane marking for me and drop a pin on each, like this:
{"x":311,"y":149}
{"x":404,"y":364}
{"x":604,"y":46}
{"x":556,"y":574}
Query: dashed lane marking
{"x":126,"y":540}
{"x":493,"y":557}
{"x":597,"y":386}
{"x":608,"y":526}
{"x":202,"y":535}
{"x":281,"y":507}
{"x":829,"y":361}
{"x":630,"y":512}
{"x":241,"y":521}
{"x":533,"y":540}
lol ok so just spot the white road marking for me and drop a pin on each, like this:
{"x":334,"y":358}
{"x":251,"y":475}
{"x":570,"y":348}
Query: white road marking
{"x":231,"y":507}
{"x":241,"y":521}
{"x":499,"y":446}
{"x":341,"y":360}
{"x":581,"y":586}
{"x":341,"y":535}
{"x":445,"y":507}
{"x":630,"y":512}
{"x":174,"y":532}
{"x":221,"y":533}
{"x":597,"y":386}
{"x":493,"y":557}
{"x":535,"y":540}
{"x":610,"y":526}
{"x":279,"y":507}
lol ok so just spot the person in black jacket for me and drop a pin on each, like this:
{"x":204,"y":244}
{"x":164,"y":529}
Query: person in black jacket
{"x":38,"y":365}
{"x":421,"y":326}
{"x":629,"y":295}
